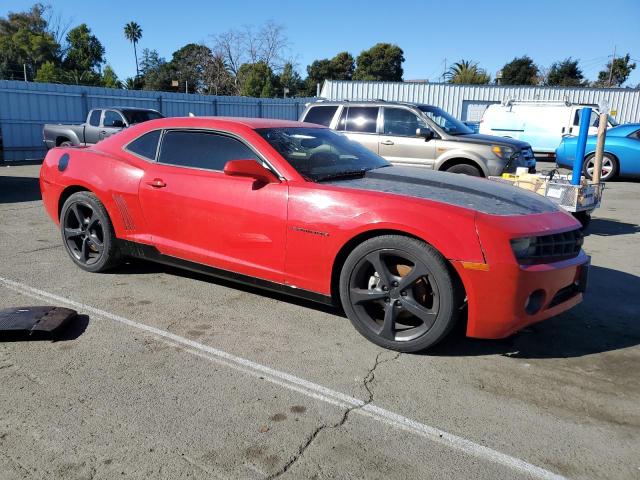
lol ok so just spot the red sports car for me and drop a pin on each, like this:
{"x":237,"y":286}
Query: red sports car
{"x":301,"y":209}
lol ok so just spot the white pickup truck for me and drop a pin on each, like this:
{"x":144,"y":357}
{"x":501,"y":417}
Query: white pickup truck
{"x":101,"y":123}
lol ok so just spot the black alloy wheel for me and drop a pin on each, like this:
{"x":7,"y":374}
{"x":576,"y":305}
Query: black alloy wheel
{"x":398,"y":292}
{"x":87,"y":233}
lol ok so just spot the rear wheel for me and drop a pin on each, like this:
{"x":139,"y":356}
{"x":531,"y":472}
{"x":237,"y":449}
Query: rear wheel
{"x":87,"y":233}
{"x":609,"y":167}
{"x":399,"y":293}
{"x":465,"y":169}
{"x":66,"y":143}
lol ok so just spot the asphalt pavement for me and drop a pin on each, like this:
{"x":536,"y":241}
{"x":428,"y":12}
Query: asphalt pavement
{"x":169,"y":374}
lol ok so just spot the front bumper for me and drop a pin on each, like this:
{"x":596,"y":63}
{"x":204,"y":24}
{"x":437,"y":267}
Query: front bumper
{"x":504,"y":296}
{"x":507,"y":298}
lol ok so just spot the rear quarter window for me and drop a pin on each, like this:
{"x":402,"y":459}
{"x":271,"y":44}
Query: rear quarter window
{"x":321,"y":115}
{"x":94,"y":119}
{"x":146,"y":145}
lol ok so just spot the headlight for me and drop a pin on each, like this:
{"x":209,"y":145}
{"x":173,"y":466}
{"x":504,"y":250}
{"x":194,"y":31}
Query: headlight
{"x":502,"y":151}
{"x":523,"y":247}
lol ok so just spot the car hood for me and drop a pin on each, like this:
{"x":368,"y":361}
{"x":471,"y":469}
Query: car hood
{"x":491,"y":139}
{"x":474,"y":193}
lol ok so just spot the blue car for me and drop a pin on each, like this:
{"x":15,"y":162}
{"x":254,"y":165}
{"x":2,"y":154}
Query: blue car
{"x":621,"y":152}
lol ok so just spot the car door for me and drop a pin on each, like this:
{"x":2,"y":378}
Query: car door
{"x":112,"y":122}
{"x":196,"y":212}
{"x":360,"y":123}
{"x":91,"y":130}
{"x":399,"y":143}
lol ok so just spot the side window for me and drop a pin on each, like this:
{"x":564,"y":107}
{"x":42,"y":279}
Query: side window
{"x":322,"y":115}
{"x":361,"y":119}
{"x":146,"y":145}
{"x":593,"y":120}
{"x":402,"y":122}
{"x":210,"y":151}
{"x":110,"y":117}
{"x":94,"y":119}
{"x":635,"y":135}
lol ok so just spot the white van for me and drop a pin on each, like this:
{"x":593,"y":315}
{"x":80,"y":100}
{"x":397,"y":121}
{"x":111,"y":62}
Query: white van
{"x":541,"y":124}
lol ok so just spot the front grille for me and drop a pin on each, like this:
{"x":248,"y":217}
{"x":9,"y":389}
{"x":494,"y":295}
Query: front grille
{"x":558,"y":246}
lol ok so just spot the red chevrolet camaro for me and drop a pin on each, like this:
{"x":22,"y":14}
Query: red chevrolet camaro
{"x":298,"y":208}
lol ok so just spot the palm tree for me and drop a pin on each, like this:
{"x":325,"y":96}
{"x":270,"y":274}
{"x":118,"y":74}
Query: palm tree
{"x":133,"y":33}
{"x":468,"y":72}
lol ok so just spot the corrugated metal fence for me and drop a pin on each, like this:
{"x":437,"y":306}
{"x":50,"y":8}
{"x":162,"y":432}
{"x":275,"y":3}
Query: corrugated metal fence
{"x":26,"y":107}
{"x":466,"y":102}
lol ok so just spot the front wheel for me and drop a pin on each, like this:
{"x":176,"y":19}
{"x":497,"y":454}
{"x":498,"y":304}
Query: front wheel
{"x":465,"y":169}
{"x":87,"y":233}
{"x":609,"y":167}
{"x":399,"y":293}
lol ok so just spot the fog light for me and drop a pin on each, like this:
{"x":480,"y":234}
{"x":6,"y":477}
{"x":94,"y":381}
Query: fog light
{"x":534,"y":302}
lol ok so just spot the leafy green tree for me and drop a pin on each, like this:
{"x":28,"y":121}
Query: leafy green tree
{"x":467,"y":72}
{"x":25,"y":40}
{"x":340,"y":67}
{"x":520,"y":71}
{"x":132,"y":83}
{"x":566,"y":73}
{"x":291,"y":80}
{"x":218,"y":78}
{"x":110,"y":79}
{"x":189,"y":64}
{"x":619,"y":73}
{"x":257,"y":80}
{"x":133,"y":33}
{"x":155,"y":72}
{"x":84,"y":56}
{"x":48,"y":73}
{"x":382,"y":62}
{"x":343,"y":66}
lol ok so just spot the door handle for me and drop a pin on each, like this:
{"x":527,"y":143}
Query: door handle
{"x":386,"y":142}
{"x":103,"y":132}
{"x":157,"y":183}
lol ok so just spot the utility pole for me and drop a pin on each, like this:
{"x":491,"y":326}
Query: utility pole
{"x":24,"y":67}
{"x":611,"y":66}
{"x":602,"y":133}
{"x":186,"y":88}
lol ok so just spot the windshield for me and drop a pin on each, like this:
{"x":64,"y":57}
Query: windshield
{"x":446,"y":122}
{"x":321,"y":154}
{"x":139,"y":116}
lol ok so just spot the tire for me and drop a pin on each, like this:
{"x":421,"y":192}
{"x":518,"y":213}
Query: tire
{"x":465,"y":169}
{"x":609,"y":166}
{"x":66,"y":143}
{"x":87,"y":233}
{"x":584,"y":218}
{"x":406,"y":318}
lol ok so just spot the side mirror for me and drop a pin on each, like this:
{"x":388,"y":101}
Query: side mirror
{"x":118,"y":124}
{"x":425,"y":133}
{"x":250,"y":169}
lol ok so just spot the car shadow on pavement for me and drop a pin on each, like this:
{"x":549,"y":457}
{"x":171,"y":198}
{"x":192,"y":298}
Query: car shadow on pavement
{"x":607,"y":320}
{"x":19,"y":189}
{"x":146,"y":267}
{"x":74,"y":329}
{"x":606,"y":227}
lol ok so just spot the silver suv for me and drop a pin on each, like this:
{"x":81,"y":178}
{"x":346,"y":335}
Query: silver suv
{"x":421,"y":135}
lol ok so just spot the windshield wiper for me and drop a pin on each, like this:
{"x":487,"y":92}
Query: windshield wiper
{"x":343,"y":174}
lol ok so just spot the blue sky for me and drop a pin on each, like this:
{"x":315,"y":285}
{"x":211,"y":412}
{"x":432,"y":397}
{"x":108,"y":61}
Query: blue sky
{"x":486,"y":31}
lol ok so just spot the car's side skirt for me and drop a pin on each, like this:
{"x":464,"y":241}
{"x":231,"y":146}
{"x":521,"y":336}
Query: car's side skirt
{"x":151,"y":253}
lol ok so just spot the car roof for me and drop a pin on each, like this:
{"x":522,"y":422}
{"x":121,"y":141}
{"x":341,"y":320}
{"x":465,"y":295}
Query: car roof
{"x":376,"y":102}
{"x":126,"y":108}
{"x":623,"y":130}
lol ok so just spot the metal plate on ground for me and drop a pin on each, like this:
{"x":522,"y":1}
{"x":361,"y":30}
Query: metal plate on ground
{"x":40,"y":320}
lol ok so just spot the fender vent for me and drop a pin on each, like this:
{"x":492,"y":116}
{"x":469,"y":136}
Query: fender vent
{"x":127,"y":220}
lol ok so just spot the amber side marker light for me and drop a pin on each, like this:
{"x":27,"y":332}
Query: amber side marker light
{"x":475,"y":266}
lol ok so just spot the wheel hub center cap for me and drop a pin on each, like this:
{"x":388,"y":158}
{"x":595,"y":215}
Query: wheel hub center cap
{"x":395,"y":294}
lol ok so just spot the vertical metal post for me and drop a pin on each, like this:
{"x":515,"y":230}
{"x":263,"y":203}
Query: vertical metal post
{"x":602,"y":135}
{"x":24,"y":66}
{"x":585,"y":117}
{"x":160,"y":104}
{"x":85,"y":103}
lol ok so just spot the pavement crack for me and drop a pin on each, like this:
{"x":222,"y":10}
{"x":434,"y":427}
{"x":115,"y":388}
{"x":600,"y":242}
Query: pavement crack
{"x":366,"y":383}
